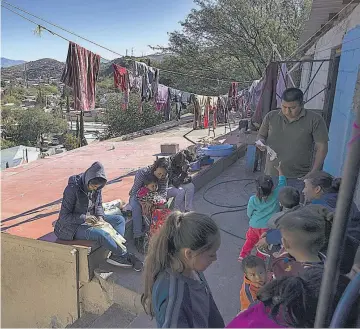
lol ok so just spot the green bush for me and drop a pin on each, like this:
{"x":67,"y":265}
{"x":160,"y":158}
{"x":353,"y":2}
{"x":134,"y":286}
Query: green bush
{"x":70,"y":142}
{"x":122,"y":122}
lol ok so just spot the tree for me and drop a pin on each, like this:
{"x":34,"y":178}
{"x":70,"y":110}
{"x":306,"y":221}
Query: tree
{"x":229,"y":39}
{"x":27,"y":126}
{"x":121,"y":122}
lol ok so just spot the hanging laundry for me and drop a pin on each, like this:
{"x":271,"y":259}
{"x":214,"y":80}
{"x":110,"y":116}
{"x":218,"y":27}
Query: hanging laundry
{"x":155,"y":82}
{"x":185,"y":99}
{"x":221,"y":112}
{"x":162,"y":101}
{"x":135,"y":83}
{"x":233,"y":91}
{"x":211,"y":108}
{"x":140,"y":69}
{"x":121,"y":81}
{"x":200,"y":103}
{"x":267,"y":101}
{"x":175,"y":97}
{"x":80,"y":74}
{"x":281,"y":83}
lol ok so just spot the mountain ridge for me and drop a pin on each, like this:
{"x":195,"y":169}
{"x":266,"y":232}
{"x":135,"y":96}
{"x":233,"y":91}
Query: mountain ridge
{"x":7,"y":62}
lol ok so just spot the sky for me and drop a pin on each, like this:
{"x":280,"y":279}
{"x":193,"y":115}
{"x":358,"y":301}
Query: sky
{"x":115,"y":24}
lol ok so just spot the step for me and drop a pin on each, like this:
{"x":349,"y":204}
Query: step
{"x":122,"y":286}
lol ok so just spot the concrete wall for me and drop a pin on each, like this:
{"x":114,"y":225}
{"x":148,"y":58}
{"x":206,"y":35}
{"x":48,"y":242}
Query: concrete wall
{"x":322,"y":50}
{"x":39,"y":287}
{"x":346,"y":102}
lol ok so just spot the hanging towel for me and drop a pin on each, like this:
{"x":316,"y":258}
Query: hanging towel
{"x":211,"y":108}
{"x":80,"y":74}
{"x":281,"y":84}
{"x":267,"y":101}
{"x":175,"y":97}
{"x":121,"y":81}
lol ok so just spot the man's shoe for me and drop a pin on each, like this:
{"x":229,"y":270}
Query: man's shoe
{"x":136,"y":262}
{"x":120,"y":261}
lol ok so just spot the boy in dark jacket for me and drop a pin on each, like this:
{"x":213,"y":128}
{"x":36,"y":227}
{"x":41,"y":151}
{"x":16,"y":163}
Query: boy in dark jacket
{"x":82,"y":213}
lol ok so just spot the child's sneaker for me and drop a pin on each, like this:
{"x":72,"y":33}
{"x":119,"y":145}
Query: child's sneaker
{"x":240,"y":259}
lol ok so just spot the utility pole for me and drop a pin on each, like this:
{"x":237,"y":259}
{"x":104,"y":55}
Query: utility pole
{"x":132,"y":52}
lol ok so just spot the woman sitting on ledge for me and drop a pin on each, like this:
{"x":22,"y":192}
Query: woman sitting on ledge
{"x":82,"y":214}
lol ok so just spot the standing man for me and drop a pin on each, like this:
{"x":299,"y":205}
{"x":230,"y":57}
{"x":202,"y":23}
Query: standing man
{"x":298,"y":136}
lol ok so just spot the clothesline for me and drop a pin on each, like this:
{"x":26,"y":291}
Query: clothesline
{"x":90,"y":41}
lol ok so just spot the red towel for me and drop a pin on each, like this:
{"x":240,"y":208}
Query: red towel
{"x":80,"y":74}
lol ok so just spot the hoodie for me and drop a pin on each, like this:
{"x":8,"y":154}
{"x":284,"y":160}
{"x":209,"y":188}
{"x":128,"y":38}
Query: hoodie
{"x":78,"y":202}
{"x":181,"y":302}
{"x":255,"y":317}
{"x":248,"y":294}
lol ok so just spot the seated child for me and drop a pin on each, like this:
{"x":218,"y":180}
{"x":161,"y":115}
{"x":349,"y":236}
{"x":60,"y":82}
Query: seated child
{"x":148,"y":193}
{"x":156,"y":214}
{"x":289,"y":198}
{"x":304,"y":234}
{"x":254,"y":278}
{"x":260,"y":208}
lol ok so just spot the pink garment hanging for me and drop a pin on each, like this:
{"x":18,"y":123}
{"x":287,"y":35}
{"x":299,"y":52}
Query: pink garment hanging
{"x":80,"y":74}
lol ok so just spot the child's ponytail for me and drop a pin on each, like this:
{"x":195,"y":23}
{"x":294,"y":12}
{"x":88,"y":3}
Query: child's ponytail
{"x":264,"y":187}
{"x":191,"y":230}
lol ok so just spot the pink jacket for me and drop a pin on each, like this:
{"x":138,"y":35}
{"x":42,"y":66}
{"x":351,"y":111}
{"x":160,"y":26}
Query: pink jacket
{"x":254,"y":317}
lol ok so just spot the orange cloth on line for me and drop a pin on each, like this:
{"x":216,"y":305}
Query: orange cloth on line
{"x":247,"y":294}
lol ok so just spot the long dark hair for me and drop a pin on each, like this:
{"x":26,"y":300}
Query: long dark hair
{"x":161,"y":163}
{"x":264,"y":187}
{"x":292,"y":301}
{"x":191,"y":230}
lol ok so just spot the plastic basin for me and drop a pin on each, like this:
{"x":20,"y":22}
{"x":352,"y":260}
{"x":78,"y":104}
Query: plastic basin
{"x":218,"y":150}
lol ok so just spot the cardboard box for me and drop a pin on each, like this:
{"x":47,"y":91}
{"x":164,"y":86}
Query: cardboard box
{"x":169,"y":148}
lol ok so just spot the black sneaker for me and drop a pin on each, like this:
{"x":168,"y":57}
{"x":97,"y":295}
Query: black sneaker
{"x":136,"y":262}
{"x":120,"y":261}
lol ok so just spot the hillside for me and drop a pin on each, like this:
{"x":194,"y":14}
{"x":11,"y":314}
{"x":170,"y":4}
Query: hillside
{"x":5,"y":62}
{"x":47,"y":67}
{"x":42,"y":68}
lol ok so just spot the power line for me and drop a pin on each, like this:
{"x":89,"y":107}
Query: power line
{"x":95,"y":43}
{"x":41,"y":26}
{"x":330,"y":20}
{"x":61,"y":28}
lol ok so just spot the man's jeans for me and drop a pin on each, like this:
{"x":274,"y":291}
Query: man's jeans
{"x":293,"y":182}
{"x":87,"y":232}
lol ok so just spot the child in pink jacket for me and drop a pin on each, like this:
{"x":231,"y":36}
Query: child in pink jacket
{"x":291,"y":302}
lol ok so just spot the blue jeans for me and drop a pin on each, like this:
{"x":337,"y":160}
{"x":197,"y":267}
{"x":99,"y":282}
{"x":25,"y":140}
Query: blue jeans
{"x":87,"y":232}
{"x":137,"y":219}
{"x":293,"y":182}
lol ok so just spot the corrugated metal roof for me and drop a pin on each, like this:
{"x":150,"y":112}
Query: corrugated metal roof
{"x":321,"y":12}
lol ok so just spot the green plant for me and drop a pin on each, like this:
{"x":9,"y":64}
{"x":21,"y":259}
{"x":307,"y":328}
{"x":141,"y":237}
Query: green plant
{"x":70,"y":142}
{"x":121,"y":122}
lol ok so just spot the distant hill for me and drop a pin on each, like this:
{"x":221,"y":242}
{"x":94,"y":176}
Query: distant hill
{"x":42,"y":68}
{"x":47,"y":67}
{"x":5,"y":62}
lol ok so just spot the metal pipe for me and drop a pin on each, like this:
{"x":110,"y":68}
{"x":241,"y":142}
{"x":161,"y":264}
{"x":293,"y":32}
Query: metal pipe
{"x":351,"y":294}
{"x":338,"y":231}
